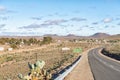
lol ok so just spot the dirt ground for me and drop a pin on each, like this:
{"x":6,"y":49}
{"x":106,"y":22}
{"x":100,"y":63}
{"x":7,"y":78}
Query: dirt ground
{"x":82,"y":71}
{"x":51,"y":54}
{"x":27,"y":49}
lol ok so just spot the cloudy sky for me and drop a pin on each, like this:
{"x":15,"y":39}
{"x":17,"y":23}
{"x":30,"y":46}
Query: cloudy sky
{"x":61,"y":17}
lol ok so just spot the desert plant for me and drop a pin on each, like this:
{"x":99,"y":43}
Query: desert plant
{"x":14,"y":46}
{"x":36,"y":72}
{"x":47,"y":40}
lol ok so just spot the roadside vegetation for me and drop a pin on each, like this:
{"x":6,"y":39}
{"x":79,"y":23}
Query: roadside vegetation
{"x":112,"y":50}
{"x":17,"y":43}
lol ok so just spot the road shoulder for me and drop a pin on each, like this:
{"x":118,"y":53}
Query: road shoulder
{"x":82,"y":71}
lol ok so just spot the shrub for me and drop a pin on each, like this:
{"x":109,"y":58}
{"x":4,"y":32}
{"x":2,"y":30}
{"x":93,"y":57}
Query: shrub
{"x":14,"y":46}
{"x":47,"y":40}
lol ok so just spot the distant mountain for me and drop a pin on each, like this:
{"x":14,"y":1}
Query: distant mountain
{"x":117,"y":36}
{"x":55,"y":35}
{"x":69,"y":36}
{"x":100,"y":35}
{"x":73,"y":36}
{"x":52,"y":35}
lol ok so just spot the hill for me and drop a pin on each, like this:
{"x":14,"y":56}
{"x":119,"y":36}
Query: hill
{"x":69,"y":36}
{"x":100,"y":35}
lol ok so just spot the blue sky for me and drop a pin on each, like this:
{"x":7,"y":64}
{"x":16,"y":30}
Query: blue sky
{"x":61,"y":17}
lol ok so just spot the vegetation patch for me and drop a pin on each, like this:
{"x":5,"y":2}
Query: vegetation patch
{"x":112,"y":51}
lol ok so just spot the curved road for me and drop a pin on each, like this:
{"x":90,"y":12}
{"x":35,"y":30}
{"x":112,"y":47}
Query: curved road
{"x":103,"y":68}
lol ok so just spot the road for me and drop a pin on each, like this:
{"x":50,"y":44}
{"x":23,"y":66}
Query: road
{"x":103,"y":68}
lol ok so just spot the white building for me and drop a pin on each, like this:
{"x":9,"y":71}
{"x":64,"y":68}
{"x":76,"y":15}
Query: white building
{"x":65,"y":49}
{"x":2,"y":48}
{"x":10,"y":49}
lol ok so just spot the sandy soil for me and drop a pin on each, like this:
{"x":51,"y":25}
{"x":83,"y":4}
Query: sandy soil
{"x":82,"y":71}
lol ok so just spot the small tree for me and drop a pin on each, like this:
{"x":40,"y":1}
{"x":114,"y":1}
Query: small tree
{"x":13,"y":46}
{"x":32,"y":41}
{"x":47,"y":40}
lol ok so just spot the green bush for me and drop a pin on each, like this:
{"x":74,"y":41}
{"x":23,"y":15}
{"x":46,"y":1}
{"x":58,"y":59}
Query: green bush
{"x":14,"y":46}
{"x":47,"y":40}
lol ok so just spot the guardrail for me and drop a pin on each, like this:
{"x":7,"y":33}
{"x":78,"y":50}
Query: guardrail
{"x":67,"y":70}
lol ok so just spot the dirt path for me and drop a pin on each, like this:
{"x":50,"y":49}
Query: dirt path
{"x":82,"y":70}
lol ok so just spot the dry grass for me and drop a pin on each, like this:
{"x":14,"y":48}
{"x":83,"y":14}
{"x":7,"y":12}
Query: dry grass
{"x":113,"y":48}
{"x":53,"y":56}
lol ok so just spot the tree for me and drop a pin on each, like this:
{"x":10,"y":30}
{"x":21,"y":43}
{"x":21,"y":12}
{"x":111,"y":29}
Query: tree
{"x":32,"y":41}
{"x":13,"y":46}
{"x":47,"y":40}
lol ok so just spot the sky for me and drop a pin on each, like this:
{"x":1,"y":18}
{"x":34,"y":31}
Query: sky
{"x":61,"y":17}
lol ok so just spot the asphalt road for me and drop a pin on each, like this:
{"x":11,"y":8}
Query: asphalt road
{"x":103,"y":68}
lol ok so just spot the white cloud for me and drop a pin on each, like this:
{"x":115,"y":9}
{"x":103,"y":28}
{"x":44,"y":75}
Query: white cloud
{"x":107,"y":20}
{"x":45,"y":24}
{"x":2,"y":8}
{"x":78,"y":19}
{"x":2,"y":25}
